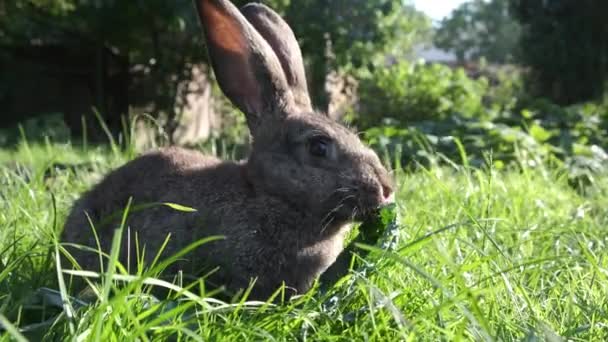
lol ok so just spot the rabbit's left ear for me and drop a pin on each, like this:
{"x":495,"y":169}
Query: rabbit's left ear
{"x":245,"y":65}
{"x":283,"y":42}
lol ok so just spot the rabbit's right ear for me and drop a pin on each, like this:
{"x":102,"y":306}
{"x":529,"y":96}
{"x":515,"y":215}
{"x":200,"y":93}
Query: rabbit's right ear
{"x":247,"y":69}
{"x":284,"y":44}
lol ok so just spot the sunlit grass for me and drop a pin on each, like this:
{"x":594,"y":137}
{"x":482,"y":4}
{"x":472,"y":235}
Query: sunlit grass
{"x":515,"y":254}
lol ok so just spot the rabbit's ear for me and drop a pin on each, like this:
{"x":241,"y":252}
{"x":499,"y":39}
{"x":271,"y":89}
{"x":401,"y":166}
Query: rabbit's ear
{"x":284,"y":44}
{"x":247,"y":69}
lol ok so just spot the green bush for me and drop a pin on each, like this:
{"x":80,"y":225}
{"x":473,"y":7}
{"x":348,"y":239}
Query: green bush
{"x":407,"y":92}
{"x":37,"y":129}
{"x":416,"y":110}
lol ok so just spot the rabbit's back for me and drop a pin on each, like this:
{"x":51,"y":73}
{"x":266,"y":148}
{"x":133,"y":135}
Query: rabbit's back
{"x":172,"y":175}
{"x":151,"y":177}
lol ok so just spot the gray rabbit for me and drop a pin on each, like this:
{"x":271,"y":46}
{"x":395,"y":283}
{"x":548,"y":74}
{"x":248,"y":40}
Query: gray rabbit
{"x":284,"y":212}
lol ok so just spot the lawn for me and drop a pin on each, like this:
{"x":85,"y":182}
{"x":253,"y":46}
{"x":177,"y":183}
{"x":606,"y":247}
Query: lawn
{"x":518,"y":253}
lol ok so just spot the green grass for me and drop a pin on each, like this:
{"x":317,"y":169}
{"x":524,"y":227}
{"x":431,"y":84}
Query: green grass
{"x":516,"y":254}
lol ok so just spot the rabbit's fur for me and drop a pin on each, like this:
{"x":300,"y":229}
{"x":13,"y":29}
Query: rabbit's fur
{"x":284,"y":212}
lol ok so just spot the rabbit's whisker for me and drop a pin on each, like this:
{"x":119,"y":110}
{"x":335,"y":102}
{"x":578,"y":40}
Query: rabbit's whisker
{"x":329,"y":214}
{"x":340,"y":189}
{"x":324,"y":227}
{"x":353,"y":214}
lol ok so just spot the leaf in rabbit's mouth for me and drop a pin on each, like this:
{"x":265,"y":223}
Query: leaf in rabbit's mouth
{"x":374,"y":226}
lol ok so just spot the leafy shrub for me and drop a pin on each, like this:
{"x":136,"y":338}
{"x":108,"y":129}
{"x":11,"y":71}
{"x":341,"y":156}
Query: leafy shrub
{"x":416,"y":110}
{"x":460,"y":140}
{"x":505,"y":90}
{"x":578,"y":133}
{"x":574,"y":138}
{"x":407,"y":92}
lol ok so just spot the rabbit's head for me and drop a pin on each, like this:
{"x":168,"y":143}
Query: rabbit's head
{"x":298,"y":154}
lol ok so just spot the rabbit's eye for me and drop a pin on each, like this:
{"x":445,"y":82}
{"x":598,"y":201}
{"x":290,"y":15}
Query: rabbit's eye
{"x":318,"y":147}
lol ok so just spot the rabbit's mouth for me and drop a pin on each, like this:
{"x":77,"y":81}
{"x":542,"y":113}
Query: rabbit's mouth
{"x":354,"y":207}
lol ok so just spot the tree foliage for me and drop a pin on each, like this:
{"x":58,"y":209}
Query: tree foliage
{"x":565,"y":42}
{"x":480,"y":28}
{"x":163,"y":37}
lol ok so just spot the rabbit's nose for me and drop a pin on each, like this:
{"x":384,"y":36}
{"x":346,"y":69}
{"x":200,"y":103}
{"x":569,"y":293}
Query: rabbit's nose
{"x":388,"y":195}
{"x":387,"y":188}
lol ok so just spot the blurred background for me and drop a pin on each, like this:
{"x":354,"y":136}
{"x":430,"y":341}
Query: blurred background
{"x":428,"y":81}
